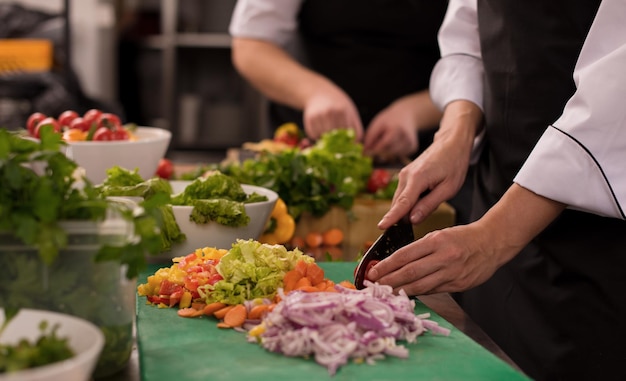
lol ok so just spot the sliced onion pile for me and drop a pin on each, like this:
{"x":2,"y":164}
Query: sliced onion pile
{"x":350,"y":324}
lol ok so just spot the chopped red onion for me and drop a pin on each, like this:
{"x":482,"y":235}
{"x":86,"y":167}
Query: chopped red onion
{"x":349,"y":324}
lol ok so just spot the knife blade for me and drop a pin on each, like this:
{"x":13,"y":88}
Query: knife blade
{"x":398,"y":235}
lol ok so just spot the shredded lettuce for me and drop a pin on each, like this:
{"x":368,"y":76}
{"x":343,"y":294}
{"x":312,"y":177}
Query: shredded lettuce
{"x":251,"y":270}
{"x":220,"y":210}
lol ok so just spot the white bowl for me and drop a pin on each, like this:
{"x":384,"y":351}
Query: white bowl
{"x":144,"y":153}
{"x":216,"y":235}
{"x":84,"y":338}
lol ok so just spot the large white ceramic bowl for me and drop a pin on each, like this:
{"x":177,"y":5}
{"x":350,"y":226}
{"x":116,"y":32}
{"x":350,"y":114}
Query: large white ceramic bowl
{"x":216,"y":235}
{"x":144,"y":153}
{"x":84,"y":338}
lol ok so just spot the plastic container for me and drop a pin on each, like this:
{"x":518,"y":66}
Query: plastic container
{"x":77,"y":285}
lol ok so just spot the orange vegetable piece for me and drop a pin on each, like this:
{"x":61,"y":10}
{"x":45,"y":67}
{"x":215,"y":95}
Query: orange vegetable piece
{"x":290,"y":279}
{"x":211,"y":308}
{"x":189,"y":312}
{"x":301,"y":267}
{"x":198,"y":305}
{"x":222,"y":312}
{"x":332,"y":237}
{"x":347,"y":284}
{"x":223,"y":325}
{"x":303,"y":282}
{"x":258,"y":311}
{"x":314,"y":239}
{"x":298,"y":242}
{"x":314,"y":273}
{"x":308,"y":289}
{"x":323,"y":285}
{"x":236,"y":316}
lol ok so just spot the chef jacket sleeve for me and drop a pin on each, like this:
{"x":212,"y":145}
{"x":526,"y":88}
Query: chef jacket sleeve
{"x":459,"y":72}
{"x":458,"y":75}
{"x":581,"y":159}
{"x":270,"y":20}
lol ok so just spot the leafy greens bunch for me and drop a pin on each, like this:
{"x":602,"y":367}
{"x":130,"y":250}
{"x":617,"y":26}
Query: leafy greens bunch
{"x":42,"y":187}
{"x":330,"y":173}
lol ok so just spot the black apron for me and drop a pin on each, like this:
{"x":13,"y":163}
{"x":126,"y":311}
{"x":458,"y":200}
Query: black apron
{"x":558,"y":309}
{"x":375,"y":50}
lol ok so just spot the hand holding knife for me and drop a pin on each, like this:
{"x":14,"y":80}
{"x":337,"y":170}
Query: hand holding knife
{"x":398,"y":235}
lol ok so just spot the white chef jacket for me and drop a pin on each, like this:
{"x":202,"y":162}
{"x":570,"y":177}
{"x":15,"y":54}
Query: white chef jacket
{"x":270,"y":20}
{"x":580,"y":160}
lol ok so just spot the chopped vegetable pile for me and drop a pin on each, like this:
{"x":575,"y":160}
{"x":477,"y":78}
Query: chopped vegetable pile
{"x":285,"y":303}
{"x":330,"y":173}
{"x":350,"y":324}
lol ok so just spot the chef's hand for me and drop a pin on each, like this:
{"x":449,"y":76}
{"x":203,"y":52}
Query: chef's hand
{"x":464,"y":256}
{"x":438,"y":173}
{"x":392,"y":134}
{"x":448,"y":260}
{"x":330,"y":108}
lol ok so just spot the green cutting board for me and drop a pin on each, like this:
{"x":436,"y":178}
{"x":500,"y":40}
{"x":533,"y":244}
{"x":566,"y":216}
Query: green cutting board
{"x":180,"y":349}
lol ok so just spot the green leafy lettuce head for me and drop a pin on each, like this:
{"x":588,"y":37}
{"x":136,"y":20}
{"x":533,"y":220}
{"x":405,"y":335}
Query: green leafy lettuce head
{"x":42,"y":188}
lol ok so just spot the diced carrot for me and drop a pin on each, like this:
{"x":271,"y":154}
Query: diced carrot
{"x":347,"y":284}
{"x":303,"y":282}
{"x":210,"y":308}
{"x":290,"y":279}
{"x":332,"y":237}
{"x":236,"y":316}
{"x":223,"y":325}
{"x":189,"y":312}
{"x":198,"y":305}
{"x":301,"y":267}
{"x":323,"y":285}
{"x":314,"y":273}
{"x":222,"y":312}
{"x":258,"y":311}
{"x":308,"y":289}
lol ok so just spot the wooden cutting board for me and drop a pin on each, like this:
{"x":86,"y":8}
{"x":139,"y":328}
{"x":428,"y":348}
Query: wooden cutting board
{"x":360,"y":223}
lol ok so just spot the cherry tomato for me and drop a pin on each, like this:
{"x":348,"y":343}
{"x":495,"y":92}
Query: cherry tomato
{"x":290,"y":140}
{"x":379,"y":179}
{"x":165,"y":169}
{"x":92,"y":116}
{"x":67,"y":117}
{"x":79,"y":124}
{"x":111,"y":121}
{"x":102,"y":134}
{"x":120,"y":134}
{"x":49,"y":121}
{"x":33,"y":120}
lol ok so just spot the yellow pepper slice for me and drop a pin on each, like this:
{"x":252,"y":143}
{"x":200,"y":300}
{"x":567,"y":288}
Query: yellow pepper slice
{"x":281,"y":227}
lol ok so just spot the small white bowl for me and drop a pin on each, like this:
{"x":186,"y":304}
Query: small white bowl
{"x":216,"y":235}
{"x":84,"y":338}
{"x":144,"y":153}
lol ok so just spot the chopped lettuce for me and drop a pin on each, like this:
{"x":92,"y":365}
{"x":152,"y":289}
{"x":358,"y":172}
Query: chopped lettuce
{"x":122,"y":182}
{"x":220,"y":210}
{"x":216,"y":197}
{"x":214,"y":186}
{"x":251,"y":270}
